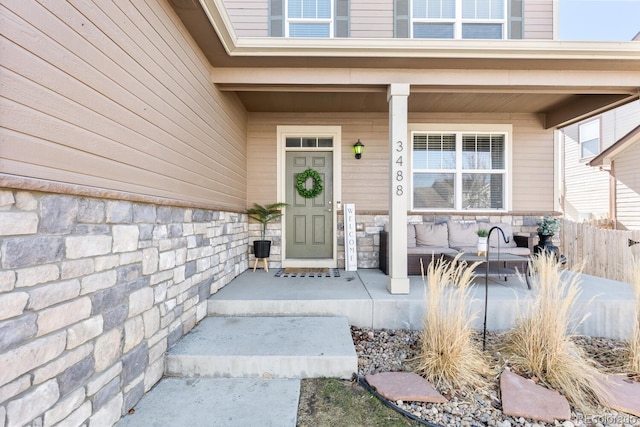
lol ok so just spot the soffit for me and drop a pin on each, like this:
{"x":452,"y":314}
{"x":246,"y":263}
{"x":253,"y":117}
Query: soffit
{"x":528,"y":76}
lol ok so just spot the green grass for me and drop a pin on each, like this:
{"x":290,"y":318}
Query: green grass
{"x":332,"y":402}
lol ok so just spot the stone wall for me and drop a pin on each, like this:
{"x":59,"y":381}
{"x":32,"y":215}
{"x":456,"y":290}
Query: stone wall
{"x":92,"y":294}
{"x":370,"y":225}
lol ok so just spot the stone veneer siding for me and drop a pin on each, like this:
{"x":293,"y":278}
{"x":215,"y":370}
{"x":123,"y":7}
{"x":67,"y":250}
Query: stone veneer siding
{"x":368,"y":239}
{"x":92,"y":294}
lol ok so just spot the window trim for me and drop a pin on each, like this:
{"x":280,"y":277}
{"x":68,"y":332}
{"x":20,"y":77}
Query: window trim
{"x":288,"y":21}
{"x":458,"y":21}
{"x":459,"y":129}
{"x":581,"y":142}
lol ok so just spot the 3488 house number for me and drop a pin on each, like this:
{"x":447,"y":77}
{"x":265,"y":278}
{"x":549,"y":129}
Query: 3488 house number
{"x":397,"y":168}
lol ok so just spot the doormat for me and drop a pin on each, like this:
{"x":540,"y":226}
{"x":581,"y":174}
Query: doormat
{"x":308,"y":272}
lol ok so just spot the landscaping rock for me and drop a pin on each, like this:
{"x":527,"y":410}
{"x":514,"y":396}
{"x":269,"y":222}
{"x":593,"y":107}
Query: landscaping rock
{"x":624,"y":395}
{"x":524,"y":398}
{"x":405,"y":386}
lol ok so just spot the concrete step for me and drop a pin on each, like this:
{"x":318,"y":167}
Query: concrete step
{"x":267,"y":347}
{"x":217,"y":402}
{"x":260,"y":294}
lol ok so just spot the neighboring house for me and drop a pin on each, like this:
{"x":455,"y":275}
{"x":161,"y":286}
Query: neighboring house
{"x":621,"y":161}
{"x":136,"y":133}
{"x":588,"y":192}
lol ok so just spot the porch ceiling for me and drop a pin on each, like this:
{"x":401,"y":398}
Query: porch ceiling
{"x":563,"y":81}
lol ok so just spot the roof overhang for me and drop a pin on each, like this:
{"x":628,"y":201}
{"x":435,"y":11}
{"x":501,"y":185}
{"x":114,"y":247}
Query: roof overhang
{"x":604,"y":159}
{"x":563,"y":81}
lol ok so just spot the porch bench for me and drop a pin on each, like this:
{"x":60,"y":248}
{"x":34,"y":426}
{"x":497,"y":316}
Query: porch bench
{"x":428,"y":241}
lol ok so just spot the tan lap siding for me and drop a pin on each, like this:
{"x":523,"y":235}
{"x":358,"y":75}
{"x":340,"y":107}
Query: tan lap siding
{"x":628,"y":187}
{"x":586,"y":189}
{"x":364,"y":182}
{"x":538,"y":19}
{"x":249,"y":18}
{"x":371,"y":19}
{"x":116,"y":95}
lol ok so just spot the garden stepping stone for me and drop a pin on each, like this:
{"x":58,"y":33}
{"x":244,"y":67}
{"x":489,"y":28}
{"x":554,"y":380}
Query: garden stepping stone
{"x":624,"y":395}
{"x":524,"y":398}
{"x":405,"y":386}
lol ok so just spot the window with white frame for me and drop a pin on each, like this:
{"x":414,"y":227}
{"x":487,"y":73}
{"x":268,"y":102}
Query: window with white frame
{"x":309,"y":18}
{"x":589,"y":138}
{"x":459,"y":171}
{"x":458,"y":19}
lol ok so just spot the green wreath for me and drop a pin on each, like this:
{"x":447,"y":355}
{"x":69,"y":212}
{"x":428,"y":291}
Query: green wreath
{"x":317,"y":184}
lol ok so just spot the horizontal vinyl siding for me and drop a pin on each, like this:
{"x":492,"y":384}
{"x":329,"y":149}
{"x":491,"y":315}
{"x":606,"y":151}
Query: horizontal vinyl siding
{"x":365,"y":181}
{"x":538,"y":19}
{"x":586,"y":189}
{"x":371,"y":19}
{"x":249,"y":18}
{"x":628,"y":187}
{"x":115,"y":95}
{"x":618,"y":122}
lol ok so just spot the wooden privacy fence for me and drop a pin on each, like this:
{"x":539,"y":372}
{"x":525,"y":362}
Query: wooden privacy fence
{"x":604,"y":252}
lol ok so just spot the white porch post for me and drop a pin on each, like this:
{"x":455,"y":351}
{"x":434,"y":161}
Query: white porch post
{"x":397,"y":96}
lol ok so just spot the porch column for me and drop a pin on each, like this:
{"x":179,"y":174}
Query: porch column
{"x":397,"y":95}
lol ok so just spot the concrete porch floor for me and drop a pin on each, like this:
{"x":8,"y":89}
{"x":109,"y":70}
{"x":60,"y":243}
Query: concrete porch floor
{"x":604,"y":307}
{"x":202,"y":398}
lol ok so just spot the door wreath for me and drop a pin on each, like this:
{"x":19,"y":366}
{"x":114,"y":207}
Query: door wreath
{"x":317,"y":184}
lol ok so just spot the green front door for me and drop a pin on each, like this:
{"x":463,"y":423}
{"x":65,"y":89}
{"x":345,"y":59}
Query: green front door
{"x":309,"y":222}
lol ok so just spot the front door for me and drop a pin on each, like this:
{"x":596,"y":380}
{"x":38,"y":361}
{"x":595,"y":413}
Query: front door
{"x":309,"y":221}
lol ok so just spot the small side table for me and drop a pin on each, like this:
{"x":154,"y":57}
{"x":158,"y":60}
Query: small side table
{"x":265,"y":264}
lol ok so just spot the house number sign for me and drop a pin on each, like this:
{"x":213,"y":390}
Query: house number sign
{"x":398,"y":170}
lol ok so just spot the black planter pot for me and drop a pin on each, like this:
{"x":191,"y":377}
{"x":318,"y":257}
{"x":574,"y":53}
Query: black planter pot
{"x":261,"y":248}
{"x":546,"y":245}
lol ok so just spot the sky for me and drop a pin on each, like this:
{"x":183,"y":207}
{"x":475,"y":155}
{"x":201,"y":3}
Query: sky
{"x":602,"y":20}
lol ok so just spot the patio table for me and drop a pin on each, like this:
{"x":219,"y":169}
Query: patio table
{"x":501,"y":265}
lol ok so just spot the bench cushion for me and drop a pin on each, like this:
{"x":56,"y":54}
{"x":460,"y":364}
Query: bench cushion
{"x":432,"y":235}
{"x":462,"y":234}
{"x":496,"y":236}
{"x":428,"y":250}
{"x":411,"y":236}
{"x":493,"y":252}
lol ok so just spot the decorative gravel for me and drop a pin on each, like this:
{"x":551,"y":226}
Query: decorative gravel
{"x":393,"y":350}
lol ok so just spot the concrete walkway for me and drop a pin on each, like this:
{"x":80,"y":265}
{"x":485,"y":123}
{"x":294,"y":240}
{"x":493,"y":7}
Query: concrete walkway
{"x":363,"y":298}
{"x":265,"y":356}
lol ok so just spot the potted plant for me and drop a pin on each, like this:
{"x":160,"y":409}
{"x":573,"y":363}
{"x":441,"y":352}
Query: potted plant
{"x":547,"y":228}
{"x":264,"y":215}
{"x":482,"y":241}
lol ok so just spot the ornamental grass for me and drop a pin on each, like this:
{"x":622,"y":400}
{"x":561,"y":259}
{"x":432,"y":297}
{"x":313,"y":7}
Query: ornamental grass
{"x":540,"y":344}
{"x":633,"y":277}
{"x":447,"y":357}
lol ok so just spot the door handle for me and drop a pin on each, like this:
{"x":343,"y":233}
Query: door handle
{"x":329,"y":210}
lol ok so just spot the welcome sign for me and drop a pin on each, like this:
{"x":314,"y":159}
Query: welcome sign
{"x":350,"y":250}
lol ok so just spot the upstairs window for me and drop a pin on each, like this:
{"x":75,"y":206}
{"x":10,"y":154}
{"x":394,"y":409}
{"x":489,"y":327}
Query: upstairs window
{"x":589,"y":137}
{"x":309,"y":18}
{"x":434,"y":19}
{"x":454,"y":19}
{"x":483,"y":19}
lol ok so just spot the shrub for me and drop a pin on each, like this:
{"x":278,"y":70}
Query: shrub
{"x":540,"y":344}
{"x":548,"y":226}
{"x":447,"y":357}
{"x":633,"y":277}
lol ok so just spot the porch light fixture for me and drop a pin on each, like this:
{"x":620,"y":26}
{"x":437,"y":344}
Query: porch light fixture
{"x":358,"y":148}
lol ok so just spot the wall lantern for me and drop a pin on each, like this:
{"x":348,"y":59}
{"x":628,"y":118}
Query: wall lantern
{"x":358,"y":148}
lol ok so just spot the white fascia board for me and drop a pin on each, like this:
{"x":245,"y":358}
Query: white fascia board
{"x":410,"y":48}
{"x":415,"y":48}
